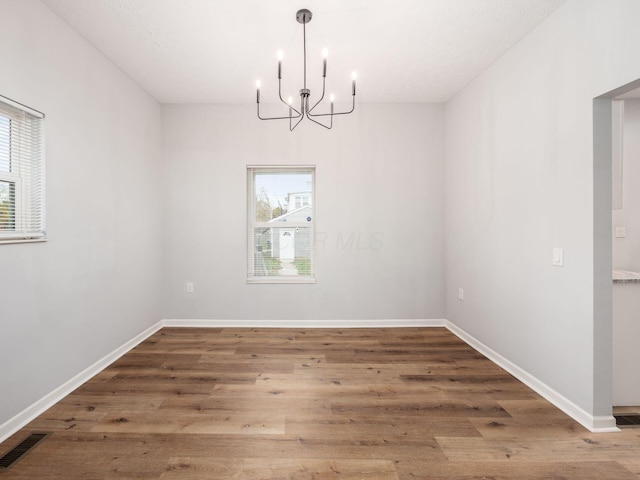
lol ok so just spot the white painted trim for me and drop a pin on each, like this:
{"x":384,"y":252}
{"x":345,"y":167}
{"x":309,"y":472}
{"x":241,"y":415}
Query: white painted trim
{"x":28,"y":414}
{"x":376,"y":323}
{"x":599,"y":424}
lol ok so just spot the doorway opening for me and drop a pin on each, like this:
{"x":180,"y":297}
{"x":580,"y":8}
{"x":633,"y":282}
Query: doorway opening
{"x":614,"y":277}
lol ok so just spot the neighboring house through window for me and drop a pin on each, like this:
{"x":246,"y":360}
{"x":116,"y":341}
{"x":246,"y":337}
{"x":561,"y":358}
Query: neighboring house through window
{"x":21,"y":173}
{"x":281,"y":224}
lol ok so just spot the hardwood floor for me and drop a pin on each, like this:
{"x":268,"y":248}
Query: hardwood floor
{"x":374,"y":404}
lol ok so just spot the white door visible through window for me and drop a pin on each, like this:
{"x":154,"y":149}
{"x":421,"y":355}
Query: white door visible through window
{"x":287,"y":244}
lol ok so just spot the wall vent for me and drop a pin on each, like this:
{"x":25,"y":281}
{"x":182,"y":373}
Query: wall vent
{"x":628,"y":420}
{"x":17,"y":452}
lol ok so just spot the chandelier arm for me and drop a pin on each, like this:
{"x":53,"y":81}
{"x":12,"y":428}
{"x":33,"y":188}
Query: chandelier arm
{"x":353,"y":107}
{"x":282,"y":100}
{"x":324,"y":81}
{"x":320,"y":123}
{"x":295,"y":125}
{"x":276,"y":118}
{"x":291,"y":128}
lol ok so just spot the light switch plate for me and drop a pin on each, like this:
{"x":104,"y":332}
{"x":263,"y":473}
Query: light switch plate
{"x":558,"y":257}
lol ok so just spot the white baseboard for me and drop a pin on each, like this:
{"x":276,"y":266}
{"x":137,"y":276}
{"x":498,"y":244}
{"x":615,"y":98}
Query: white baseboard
{"x":600,"y":424}
{"x":594,"y":423}
{"x":378,"y":323}
{"x":28,"y":414}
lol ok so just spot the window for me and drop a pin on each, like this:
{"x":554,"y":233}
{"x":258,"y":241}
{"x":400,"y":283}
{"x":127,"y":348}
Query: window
{"x":21,"y":173}
{"x":281,"y":233}
{"x":299,"y":199}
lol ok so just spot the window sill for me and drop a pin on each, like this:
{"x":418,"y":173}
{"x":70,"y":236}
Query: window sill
{"x":282,"y":280}
{"x":22,"y":240}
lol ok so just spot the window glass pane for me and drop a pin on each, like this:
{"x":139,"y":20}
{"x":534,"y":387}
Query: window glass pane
{"x":282,"y":251}
{"x":278,"y":195}
{"x":5,"y":124}
{"x":7,"y":206}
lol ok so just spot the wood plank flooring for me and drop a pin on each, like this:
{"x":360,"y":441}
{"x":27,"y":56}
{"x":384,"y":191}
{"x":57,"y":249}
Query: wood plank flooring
{"x":374,"y":404}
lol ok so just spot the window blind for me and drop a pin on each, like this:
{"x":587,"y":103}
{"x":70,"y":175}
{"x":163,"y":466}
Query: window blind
{"x":22,"y":180}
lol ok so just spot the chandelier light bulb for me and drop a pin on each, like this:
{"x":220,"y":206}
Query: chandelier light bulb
{"x":325,"y":52}
{"x":290,"y":101}
{"x":258,"y":84}
{"x":332,"y":97}
{"x":280,"y":55}
{"x":354,"y":75}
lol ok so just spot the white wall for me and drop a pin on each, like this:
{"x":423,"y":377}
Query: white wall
{"x":626,"y":251}
{"x":520,"y":181}
{"x":94,"y":285}
{"x":379,"y":181}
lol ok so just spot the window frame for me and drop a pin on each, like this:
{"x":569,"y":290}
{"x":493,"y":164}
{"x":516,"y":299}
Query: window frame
{"x":26,"y":173}
{"x":252,"y":170}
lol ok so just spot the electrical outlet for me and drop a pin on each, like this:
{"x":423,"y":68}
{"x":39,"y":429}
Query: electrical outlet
{"x":461,"y":294}
{"x":188,"y":287}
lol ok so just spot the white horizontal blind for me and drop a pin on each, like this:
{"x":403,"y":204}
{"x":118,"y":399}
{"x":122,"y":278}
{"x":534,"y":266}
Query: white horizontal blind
{"x":281,"y":226}
{"x":22,"y":181}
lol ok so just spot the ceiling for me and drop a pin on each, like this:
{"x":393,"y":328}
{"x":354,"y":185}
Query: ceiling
{"x":212,"y":51}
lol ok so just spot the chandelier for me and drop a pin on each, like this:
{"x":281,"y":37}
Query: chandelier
{"x":305,"y":110}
